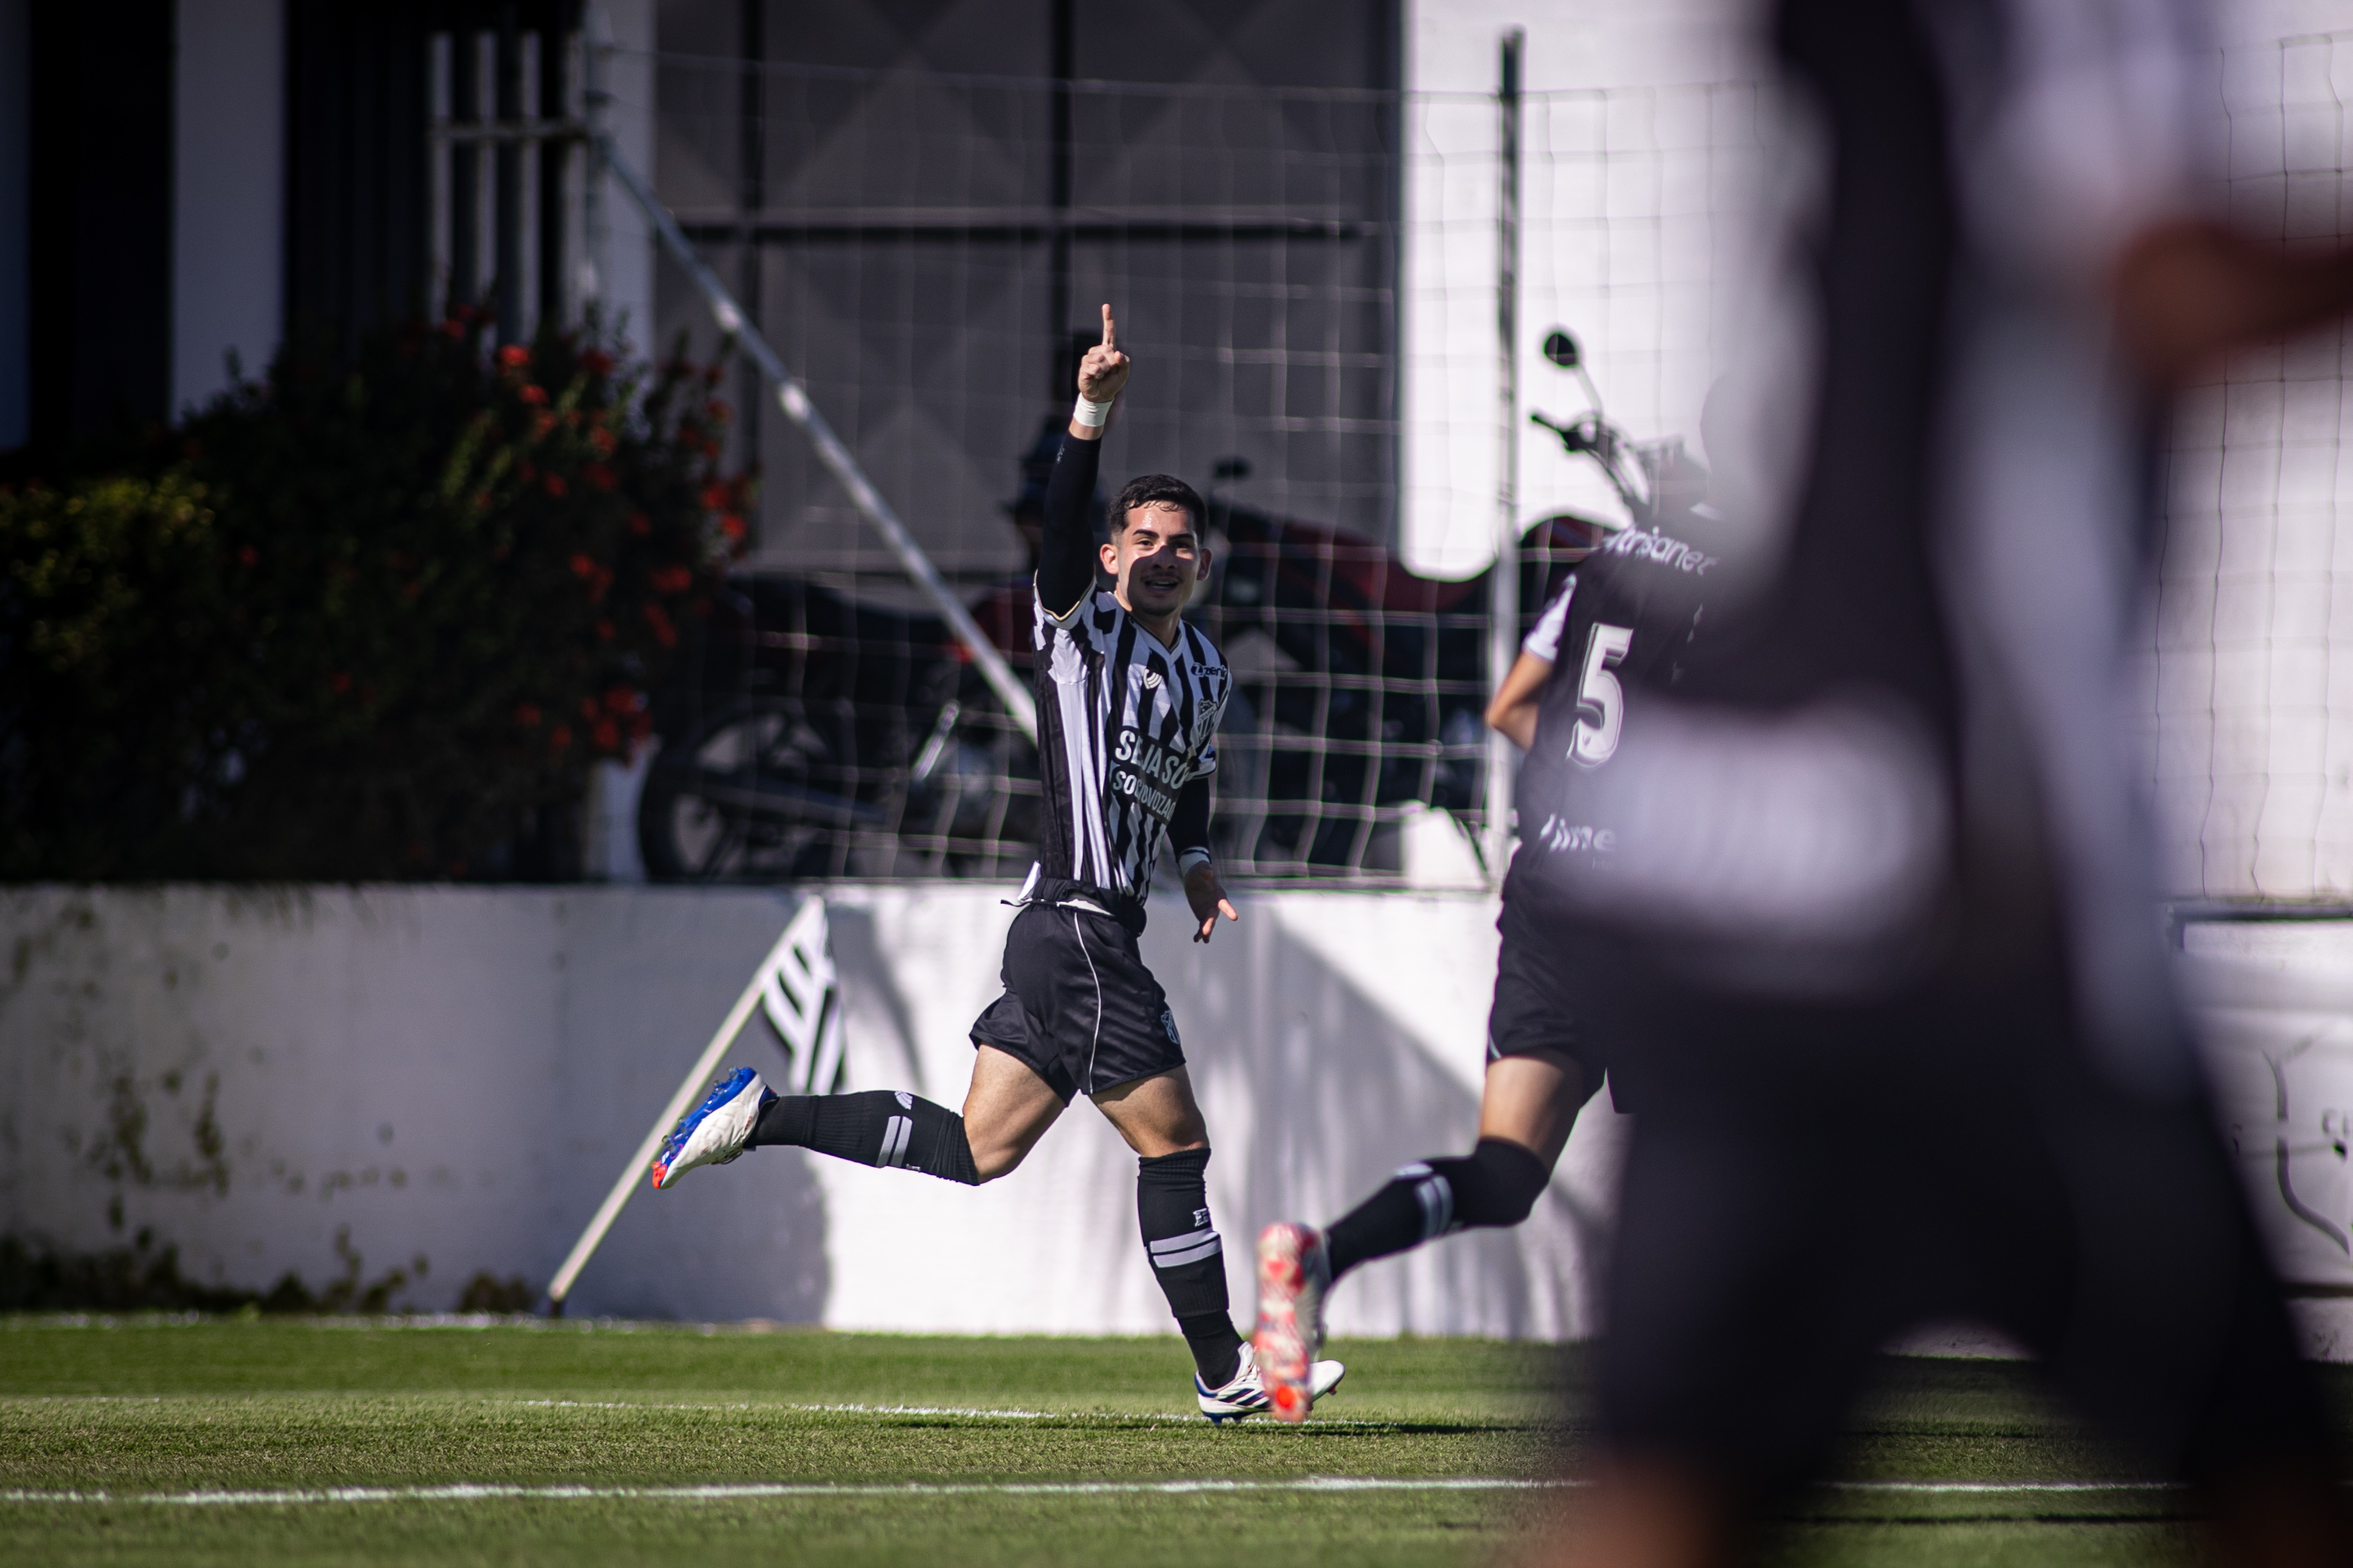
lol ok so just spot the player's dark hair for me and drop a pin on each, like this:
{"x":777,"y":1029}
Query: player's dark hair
{"x":1146,"y":490}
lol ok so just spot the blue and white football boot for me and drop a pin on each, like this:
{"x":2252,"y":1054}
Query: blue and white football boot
{"x":1246,"y":1394}
{"x":716,"y":1130}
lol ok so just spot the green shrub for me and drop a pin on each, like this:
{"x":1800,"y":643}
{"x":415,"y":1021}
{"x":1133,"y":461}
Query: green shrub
{"x":369,"y":618}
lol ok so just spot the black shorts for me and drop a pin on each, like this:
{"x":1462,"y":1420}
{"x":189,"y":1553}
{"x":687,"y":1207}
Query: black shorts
{"x":1535,"y":1010}
{"x":1532,"y":1011}
{"x":1079,"y":1008}
{"x":1807,"y":1182}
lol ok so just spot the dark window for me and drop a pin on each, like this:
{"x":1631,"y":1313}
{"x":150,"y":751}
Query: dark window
{"x":101,"y":212}
{"x":922,"y":204}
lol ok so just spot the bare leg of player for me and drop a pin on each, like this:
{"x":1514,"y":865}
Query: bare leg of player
{"x":1156,"y":1115}
{"x":1533,"y":1100}
{"x":1005,"y":1112}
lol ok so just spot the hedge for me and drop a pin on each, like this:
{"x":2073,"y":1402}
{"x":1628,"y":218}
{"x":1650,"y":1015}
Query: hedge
{"x":370,"y":617}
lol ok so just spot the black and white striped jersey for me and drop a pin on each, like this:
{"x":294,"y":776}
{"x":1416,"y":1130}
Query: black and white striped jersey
{"x":1123,"y":724}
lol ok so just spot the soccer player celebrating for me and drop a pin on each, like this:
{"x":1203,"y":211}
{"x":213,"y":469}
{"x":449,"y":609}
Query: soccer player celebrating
{"x":1129,"y":699}
{"x":1634,"y":605}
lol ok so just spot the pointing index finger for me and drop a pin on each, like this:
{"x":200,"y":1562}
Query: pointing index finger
{"x":1111,"y":332}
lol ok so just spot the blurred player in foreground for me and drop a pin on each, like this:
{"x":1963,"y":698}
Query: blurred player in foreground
{"x":1128,"y":701}
{"x":1631,"y":607}
{"x":1879,"y":916}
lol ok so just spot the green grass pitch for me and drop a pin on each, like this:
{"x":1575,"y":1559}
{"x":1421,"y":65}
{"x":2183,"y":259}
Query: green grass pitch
{"x":378,"y":1442}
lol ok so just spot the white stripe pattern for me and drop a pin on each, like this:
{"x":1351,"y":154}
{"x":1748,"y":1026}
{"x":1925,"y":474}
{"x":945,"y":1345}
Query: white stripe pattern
{"x":1129,"y":722}
{"x":1437,"y":1197}
{"x":1175,"y":1251}
{"x":1094,"y":1040}
{"x":895,"y":1133}
{"x":470,"y":1491}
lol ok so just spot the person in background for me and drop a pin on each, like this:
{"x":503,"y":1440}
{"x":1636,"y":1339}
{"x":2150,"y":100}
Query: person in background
{"x":1878,"y":912}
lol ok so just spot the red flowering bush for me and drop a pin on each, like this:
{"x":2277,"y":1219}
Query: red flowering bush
{"x":372,"y":617}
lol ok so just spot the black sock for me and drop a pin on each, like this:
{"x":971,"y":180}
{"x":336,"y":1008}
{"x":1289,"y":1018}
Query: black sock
{"x":879,"y":1127}
{"x":1172,"y":1206}
{"x":1496,"y":1184}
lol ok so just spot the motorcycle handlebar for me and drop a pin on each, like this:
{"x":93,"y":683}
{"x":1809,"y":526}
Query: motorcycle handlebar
{"x":1572,"y":437}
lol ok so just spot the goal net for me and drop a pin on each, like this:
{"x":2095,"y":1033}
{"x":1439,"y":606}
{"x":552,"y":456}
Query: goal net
{"x":1311,"y":280}
{"x":2252,"y":709}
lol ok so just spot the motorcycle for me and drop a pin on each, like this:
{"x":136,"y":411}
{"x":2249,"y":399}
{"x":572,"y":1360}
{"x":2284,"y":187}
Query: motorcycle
{"x":815,"y":735}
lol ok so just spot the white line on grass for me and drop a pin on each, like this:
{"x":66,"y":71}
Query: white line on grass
{"x":469,"y":1492}
{"x":730,"y":1491}
{"x":1973,"y":1488}
{"x":818,"y":1409}
{"x":1178,"y":1418}
{"x":972,"y":1412}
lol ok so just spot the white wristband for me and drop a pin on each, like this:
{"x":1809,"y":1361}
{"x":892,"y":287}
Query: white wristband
{"x":1090,"y":415}
{"x":1189,"y":858}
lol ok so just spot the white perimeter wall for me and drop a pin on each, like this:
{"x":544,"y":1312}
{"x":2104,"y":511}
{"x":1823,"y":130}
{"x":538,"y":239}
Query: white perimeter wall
{"x":2278,"y":997}
{"x":456,"y":1074}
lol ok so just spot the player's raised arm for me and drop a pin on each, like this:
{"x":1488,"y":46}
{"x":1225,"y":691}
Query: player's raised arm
{"x":1066,"y":557}
{"x":1102,"y":374}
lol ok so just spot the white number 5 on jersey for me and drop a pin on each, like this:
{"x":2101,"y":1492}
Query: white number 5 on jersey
{"x":1600,"y":700}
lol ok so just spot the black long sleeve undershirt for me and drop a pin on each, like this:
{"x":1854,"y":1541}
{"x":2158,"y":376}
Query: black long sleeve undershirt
{"x":1188,"y":825}
{"x":1066,"y":558}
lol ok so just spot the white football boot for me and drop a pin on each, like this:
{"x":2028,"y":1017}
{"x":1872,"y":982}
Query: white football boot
{"x":1246,"y":1395}
{"x":1293,"y":1272}
{"x":716,"y":1130}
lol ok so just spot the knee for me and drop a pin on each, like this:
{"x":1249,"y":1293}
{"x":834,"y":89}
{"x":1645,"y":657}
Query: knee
{"x":991,"y":1160}
{"x":1499,"y":1184}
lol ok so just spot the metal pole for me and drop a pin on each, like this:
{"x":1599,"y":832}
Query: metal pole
{"x":1060,"y":367}
{"x":1504,"y":580}
{"x":751,"y":200}
{"x":465,"y":169}
{"x":507,"y":198}
{"x":793,"y":399}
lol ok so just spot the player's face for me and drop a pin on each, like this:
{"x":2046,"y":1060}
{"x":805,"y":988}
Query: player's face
{"x":1157,"y":558}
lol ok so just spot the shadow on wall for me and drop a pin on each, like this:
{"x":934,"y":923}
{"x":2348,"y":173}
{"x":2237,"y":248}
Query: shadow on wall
{"x":1316,"y":1085}
{"x":372,"y":1098}
{"x":858,"y":952}
{"x":662,"y":972}
{"x":1318,"y":1093}
{"x":752,"y":1244}
{"x":445,"y":1082}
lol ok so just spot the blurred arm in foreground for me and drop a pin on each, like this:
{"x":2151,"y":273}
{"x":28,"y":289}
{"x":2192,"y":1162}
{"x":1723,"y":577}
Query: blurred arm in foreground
{"x":1932,"y":1067}
{"x":2188,"y":292}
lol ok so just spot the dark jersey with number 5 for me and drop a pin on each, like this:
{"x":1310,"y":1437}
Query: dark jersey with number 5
{"x":1622,"y":623}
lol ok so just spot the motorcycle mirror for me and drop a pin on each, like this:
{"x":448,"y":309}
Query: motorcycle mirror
{"x":1562,"y":350}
